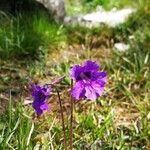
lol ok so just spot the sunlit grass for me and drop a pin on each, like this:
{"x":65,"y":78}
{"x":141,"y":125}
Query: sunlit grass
{"x":29,"y":36}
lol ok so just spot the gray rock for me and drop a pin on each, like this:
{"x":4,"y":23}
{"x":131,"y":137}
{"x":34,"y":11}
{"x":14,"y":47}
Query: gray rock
{"x":56,"y":8}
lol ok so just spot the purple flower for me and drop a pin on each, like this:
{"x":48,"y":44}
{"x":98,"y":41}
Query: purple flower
{"x":89,"y":81}
{"x":40,"y":95}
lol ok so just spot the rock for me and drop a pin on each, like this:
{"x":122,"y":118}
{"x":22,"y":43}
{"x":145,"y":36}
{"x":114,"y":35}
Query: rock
{"x":56,"y":8}
{"x":121,"y":47}
{"x":112,"y":18}
{"x":73,"y":20}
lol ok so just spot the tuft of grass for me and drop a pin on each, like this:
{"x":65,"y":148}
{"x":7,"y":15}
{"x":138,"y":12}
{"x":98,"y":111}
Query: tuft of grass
{"x":18,"y":39}
{"x":29,"y":35}
{"x":17,"y":128}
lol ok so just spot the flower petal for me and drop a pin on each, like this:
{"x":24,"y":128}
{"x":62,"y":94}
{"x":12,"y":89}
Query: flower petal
{"x":90,"y":93}
{"x":98,"y":88}
{"x":76,"y":71}
{"x":40,"y":96}
{"x":44,"y":106}
{"x":46,"y":90}
{"x":99,"y":75}
{"x":39,"y":111}
{"x":78,"y":90}
{"x":91,"y":66}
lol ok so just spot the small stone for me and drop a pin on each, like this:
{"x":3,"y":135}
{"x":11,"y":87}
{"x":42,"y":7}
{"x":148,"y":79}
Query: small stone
{"x":56,"y":8}
{"x":112,"y":18}
{"x":121,"y":47}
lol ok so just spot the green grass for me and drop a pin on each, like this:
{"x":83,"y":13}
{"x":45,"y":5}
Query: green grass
{"x":16,"y":128}
{"x":29,"y":35}
{"x":75,"y":7}
{"x":109,"y":4}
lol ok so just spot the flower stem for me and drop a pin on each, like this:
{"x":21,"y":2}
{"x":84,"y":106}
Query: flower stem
{"x":71,"y":117}
{"x":62,"y":117}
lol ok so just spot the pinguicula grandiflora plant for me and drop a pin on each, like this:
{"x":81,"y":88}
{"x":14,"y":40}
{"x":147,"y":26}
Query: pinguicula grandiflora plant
{"x":87,"y":82}
{"x":41,"y":94}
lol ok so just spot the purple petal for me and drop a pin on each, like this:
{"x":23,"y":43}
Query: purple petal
{"x":39,"y":111}
{"x":35,"y":88}
{"x":100,"y":76}
{"x":78,"y":90}
{"x":44,"y":106}
{"x":40,"y":96}
{"x":90,"y":93}
{"x":46,"y":90}
{"x":91,"y":66}
{"x":98,"y":88}
{"x":40,"y":107}
{"x":76,"y":71}
{"x":35,"y":104}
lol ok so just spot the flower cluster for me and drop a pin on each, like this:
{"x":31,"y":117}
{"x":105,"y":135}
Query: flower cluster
{"x":89,"y":84}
